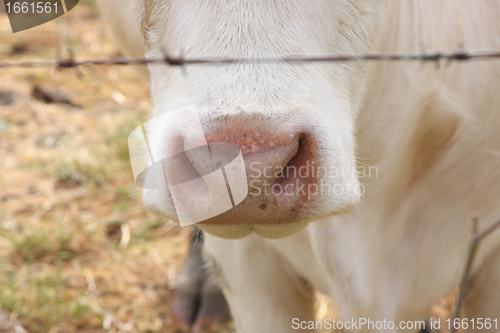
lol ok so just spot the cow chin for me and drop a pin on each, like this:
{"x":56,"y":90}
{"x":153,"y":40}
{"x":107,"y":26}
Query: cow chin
{"x":242,"y":231}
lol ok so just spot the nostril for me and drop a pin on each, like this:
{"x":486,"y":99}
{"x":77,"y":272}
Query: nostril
{"x":302,"y":152}
{"x":300,"y":168}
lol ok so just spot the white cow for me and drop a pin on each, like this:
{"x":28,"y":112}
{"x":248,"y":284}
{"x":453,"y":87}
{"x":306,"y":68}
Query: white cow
{"x":386,"y":254}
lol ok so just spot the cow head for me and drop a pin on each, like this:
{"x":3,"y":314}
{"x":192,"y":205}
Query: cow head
{"x":293,"y":124}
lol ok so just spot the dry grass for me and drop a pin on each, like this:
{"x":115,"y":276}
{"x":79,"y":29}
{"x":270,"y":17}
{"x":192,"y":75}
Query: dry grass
{"x":67,"y":197}
{"x":67,"y":193}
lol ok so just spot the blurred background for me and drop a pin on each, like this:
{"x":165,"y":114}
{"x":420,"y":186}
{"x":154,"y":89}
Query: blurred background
{"x":78,"y":252}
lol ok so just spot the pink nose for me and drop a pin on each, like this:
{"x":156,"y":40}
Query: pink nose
{"x":278,"y":165}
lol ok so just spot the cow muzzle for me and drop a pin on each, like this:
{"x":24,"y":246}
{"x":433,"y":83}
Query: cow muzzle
{"x":234,"y":176}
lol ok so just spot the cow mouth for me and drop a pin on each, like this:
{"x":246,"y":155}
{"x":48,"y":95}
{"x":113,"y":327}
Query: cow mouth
{"x":269,"y":231}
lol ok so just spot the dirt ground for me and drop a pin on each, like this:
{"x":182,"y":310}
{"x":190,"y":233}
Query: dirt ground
{"x":78,"y":253}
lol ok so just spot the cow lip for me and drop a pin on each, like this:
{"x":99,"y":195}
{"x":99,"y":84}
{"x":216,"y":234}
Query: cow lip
{"x":242,"y":231}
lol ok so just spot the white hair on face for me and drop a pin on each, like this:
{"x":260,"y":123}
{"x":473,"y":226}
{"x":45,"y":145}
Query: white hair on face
{"x":433,"y":135}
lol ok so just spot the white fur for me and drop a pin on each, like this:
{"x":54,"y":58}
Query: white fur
{"x":432,"y":133}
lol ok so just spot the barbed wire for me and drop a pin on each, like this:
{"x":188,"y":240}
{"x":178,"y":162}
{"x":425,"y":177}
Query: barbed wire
{"x":476,"y":240}
{"x":431,"y":56}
